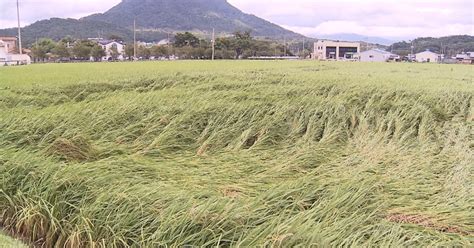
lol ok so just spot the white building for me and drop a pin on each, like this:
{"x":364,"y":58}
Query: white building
{"x":108,"y":46}
{"x":335,"y":50}
{"x":465,"y":58}
{"x":164,"y":42}
{"x":3,"y":52}
{"x":428,"y":57}
{"x":377,"y":55}
{"x":7,"y":58}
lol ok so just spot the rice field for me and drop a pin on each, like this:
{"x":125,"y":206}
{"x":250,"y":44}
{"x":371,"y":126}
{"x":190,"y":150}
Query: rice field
{"x":238,"y":154}
{"x":7,"y":242}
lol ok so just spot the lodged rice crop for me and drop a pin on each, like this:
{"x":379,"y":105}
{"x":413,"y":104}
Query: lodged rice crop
{"x":238,"y":154}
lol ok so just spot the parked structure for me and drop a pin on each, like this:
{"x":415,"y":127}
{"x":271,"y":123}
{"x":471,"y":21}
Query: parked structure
{"x":428,"y":57}
{"x":10,"y":43}
{"x":377,"y":55}
{"x":335,"y":50}
{"x":109,"y":46}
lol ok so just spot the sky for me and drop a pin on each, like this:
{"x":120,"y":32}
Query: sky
{"x":391,"y":19}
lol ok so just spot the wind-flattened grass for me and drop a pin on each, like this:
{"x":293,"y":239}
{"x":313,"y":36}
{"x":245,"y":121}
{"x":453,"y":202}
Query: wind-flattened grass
{"x":257,"y":154}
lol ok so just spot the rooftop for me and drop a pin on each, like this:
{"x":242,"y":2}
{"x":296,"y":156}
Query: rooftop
{"x":379,"y":51}
{"x":8,"y":38}
{"x":428,"y":51}
{"x":341,"y":41}
{"x":106,"y":42}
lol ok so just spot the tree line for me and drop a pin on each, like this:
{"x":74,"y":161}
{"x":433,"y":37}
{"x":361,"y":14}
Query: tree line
{"x":66,"y":49}
{"x":239,"y":45}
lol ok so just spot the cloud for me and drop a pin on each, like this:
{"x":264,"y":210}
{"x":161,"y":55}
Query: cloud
{"x":34,"y":10}
{"x":386,"y":18}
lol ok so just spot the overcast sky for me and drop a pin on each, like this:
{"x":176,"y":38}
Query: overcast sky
{"x":396,"y":19}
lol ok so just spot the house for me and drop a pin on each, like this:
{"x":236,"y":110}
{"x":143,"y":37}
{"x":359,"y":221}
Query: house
{"x":3,"y":52}
{"x":7,"y":58}
{"x":465,"y":58}
{"x":377,"y":55}
{"x":10,"y":43}
{"x":19,"y":59}
{"x":428,"y":57}
{"x":335,"y":50}
{"x":164,"y":42}
{"x":109,"y":46}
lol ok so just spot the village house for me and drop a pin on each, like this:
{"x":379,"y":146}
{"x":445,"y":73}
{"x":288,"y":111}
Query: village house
{"x":10,"y":43}
{"x":335,"y":50}
{"x":377,"y":55}
{"x":8,"y":57}
{"x":109,"y":46}
{"x":428,"y":57}
{"x":465,"y":58}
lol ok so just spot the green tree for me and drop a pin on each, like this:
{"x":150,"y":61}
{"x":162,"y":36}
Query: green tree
{"x":42,"y":49}
{"x":129,"y":51}
{"x":160,"y":51}
{"x":143,"y":52}
{"x":61,"y":50}
{"x":242,"y":41}
{"x":67,"y":40}
{"x":82,"y":49}
{"x":114,"y":53}
{"x":186,"y":39}
{"x":97,"y":52}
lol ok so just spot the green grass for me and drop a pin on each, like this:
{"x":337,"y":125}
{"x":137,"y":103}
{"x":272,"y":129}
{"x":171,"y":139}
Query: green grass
{"x":7,"y":242}
{"x":238,"y":153}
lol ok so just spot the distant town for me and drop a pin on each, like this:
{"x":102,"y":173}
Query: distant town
{"x":188,"y":46}
{"x":120,"y":39}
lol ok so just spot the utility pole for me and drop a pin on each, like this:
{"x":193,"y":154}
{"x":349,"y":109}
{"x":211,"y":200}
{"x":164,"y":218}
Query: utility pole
{"x":19,"y":27}
{"x":37,"y":48}
{"x":284,"y":40}
{"x":304,"y":53}
{"x":134,"y":39}
{"x":213,"y":43}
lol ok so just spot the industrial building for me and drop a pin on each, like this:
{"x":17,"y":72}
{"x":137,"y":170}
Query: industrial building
{"x":335,"y":50}
{"x":428,"y":57}
{"x":377,"y":55}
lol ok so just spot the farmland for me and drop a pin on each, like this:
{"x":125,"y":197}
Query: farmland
{"x":238,"y":153}
{"x":6,"y":242}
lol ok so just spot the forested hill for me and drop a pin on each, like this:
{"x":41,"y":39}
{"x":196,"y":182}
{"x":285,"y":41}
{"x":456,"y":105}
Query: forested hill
{"x":449,"y":45}
{"x":189,"y":15}
{"x":57,"y":28}
{"x":155,"y":19}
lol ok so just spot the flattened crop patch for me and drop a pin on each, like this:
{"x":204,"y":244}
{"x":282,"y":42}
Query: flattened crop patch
{"x":423,"y":221}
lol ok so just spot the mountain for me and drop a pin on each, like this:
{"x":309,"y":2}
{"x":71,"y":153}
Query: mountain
{"x":358,"y":37}
{"x":449,"y":45}
{"x":155,"y":19}
{"x":186,"y":15}
{"x":57,"y":28}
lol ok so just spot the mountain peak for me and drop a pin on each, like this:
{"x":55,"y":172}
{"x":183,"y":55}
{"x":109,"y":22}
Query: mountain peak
{"x":155,"y":20}
{"x":188,"y":15}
